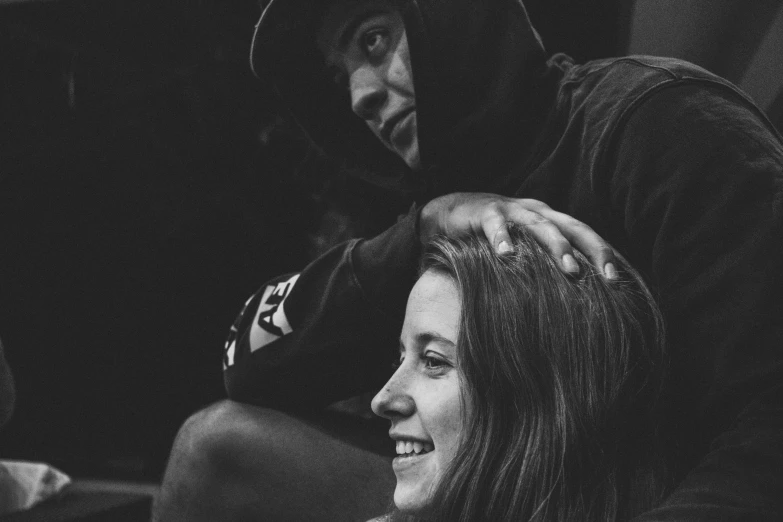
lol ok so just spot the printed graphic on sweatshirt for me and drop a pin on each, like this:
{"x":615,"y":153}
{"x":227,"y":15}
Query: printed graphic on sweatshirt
{"x":230,"y":348}
{"x":270,"y":322}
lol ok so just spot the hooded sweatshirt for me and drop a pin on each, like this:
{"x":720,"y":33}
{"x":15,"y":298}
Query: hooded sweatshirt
{"x":674,"y":166}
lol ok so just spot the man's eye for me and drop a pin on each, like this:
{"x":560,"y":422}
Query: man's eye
{"x":375,"y":43}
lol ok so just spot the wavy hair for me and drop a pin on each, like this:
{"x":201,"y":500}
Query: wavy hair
{"x":562,"y":375}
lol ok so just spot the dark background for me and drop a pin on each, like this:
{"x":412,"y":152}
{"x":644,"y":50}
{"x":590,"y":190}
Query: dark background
{"x":147,"y":187}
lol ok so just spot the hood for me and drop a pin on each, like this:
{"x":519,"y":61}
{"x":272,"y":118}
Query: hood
{"x":480,"y":77}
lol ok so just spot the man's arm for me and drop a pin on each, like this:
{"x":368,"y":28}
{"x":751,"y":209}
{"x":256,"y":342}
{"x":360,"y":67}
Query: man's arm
{"x":305,"y":340}
{"x":308,"y":339}
{"x":698,"y":186}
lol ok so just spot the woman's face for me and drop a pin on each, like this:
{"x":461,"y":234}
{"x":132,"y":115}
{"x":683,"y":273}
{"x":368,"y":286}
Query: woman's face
{"x":422,"y":398}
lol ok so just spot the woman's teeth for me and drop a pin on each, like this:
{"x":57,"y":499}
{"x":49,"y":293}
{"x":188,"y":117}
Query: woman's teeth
{"x":408,"y":448}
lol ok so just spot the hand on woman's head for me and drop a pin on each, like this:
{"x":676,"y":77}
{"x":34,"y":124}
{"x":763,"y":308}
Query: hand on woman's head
{"x":491,"y":215}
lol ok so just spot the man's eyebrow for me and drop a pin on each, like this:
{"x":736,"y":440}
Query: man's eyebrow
{"x":347,"y":35}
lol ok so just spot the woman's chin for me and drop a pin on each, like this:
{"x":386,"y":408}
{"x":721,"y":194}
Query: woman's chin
{"x":411,"y":502}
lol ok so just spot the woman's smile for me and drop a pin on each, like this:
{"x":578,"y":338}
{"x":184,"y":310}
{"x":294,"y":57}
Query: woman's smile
{"x":411,"y":447}
{"x":411,"y":453}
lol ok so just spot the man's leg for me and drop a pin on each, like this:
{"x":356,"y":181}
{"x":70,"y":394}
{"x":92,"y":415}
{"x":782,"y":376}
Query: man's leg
{"x":233,"y":461}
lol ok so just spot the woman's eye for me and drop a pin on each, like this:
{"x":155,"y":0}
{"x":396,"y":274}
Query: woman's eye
{"x":434,"y":363}
{"x":375,"y":43}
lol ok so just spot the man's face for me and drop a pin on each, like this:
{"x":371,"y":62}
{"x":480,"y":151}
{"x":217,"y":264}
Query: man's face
{"x":365,"y":45}
{"x":423,"y":397}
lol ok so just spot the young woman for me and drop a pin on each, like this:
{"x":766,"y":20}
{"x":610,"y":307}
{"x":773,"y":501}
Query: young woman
{"x":523,"y":393}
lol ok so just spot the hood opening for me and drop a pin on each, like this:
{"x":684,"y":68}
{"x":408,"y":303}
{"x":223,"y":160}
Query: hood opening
{"x":473,"y":64}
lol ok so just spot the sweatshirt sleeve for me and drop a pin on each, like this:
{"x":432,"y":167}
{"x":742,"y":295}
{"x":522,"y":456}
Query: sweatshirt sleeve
{"x":307,"y":339}
{"x":698,"y":181}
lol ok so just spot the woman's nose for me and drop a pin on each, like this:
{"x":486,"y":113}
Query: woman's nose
{"x":393,"y":400}
{"x":368,"y":93}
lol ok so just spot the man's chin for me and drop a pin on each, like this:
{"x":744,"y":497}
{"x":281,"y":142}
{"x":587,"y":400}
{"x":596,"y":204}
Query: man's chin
{"x":411,"y":158}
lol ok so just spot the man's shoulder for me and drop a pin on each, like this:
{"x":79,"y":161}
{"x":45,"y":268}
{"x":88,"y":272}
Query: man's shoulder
{"x":639,"y":70}
{"x":609,"y":88}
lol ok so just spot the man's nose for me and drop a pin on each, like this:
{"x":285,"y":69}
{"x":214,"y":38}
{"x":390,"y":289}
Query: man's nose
{"x":368,"y":93}
{"x":393,"y":401}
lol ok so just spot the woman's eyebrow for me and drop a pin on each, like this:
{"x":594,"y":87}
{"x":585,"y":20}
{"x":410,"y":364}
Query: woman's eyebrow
{"x":350,"y":29}
{"x":425,"y":338}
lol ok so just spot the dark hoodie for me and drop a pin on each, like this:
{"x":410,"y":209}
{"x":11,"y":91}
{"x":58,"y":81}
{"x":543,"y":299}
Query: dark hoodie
{"x":7,"y":389}
{"x":675,"y":167}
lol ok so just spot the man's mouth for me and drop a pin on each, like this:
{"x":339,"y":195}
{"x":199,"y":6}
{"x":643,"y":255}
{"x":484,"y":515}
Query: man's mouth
{"x":391,"y":126}
{"x":403,"y":134}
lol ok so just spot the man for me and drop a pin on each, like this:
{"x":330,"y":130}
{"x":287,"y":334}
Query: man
{"x":675,"y":167}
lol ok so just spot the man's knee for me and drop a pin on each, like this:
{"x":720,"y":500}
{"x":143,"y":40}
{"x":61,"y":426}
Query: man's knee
{"x":223,"y":437}
{"x":217,"y":458}
{"x":237,"y":460}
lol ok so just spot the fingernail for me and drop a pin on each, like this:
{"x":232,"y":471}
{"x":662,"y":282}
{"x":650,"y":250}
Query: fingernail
{"x":609,"y":271}
{"x":504,"y":247}
{"x":570,"y":263}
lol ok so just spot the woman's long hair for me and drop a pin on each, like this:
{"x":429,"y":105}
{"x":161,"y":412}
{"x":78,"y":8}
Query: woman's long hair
{"x":562,"y":376}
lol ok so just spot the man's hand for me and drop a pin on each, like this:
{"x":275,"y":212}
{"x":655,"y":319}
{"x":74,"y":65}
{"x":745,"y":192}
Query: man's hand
{"x":459,"y":213}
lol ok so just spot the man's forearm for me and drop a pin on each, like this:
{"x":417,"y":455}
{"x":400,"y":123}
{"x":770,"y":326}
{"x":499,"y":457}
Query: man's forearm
{"x":308,"y":339}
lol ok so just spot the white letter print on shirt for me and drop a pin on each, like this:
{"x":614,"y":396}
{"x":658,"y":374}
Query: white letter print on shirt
{"x":229,"y":350}
{"x":270,"y":322}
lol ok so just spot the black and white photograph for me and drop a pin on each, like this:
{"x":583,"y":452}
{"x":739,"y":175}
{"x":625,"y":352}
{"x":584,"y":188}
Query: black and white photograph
{"x":391,"y":260}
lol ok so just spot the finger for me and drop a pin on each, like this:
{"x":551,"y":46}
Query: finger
{"x":496,"y":231}
{"x":548,"y":235}
{"x":587,"y":241}
{"x":534,"y":205}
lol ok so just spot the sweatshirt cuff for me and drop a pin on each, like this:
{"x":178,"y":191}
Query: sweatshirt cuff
{"x":386,"y":266}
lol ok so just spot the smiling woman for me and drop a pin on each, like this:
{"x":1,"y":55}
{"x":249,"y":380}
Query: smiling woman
{"x":422,"y":399}
{"x":523,"y":393}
